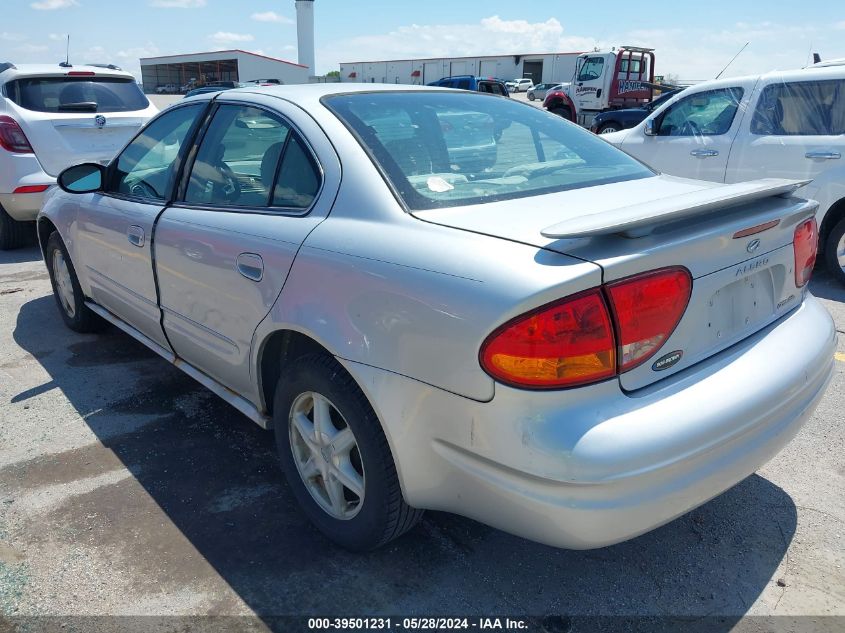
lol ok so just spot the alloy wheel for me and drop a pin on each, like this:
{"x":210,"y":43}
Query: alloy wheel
{"x":64,"y":285}
{"x":326,"y":455}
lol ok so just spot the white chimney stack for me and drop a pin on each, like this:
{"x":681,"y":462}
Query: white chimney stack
{"x":305,"y":33}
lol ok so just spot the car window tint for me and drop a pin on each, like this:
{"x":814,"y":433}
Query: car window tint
{"x":299,"y":179}
{"x":145,"y":168}
{"x":703,"y":114}
{"x":807,"y":108}
{"x":77,"y":94}
{"x":496,"y":89}
{"x":237,"y":158}
{"x":463,"y":84}
{"x":449,"y":149}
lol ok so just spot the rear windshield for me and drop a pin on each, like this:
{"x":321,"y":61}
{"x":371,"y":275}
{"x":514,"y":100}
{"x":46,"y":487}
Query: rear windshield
{"x":77,"y":94}
{"x":442,"y":149}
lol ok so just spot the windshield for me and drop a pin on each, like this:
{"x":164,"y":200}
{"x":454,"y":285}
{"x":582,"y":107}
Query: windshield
{"x":71,"y":94}
{"x":441,"y":149}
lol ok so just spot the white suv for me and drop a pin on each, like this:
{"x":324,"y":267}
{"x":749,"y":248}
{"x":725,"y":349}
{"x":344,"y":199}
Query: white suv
{"x":53,"y":116}
{"x":785,"y":124}
{"x":519,"y":85}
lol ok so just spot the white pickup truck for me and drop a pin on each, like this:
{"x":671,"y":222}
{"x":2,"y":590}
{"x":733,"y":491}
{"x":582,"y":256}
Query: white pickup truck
{"x":780,"y":125}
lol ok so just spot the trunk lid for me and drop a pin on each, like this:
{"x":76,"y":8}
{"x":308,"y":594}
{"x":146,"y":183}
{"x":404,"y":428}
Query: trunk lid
{"x":741,"y":284}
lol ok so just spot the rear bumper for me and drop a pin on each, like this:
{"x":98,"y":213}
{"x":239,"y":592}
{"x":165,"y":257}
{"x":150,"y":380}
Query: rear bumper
{"x":23,"y":207}
{"x":21,"y":170}
{"x":593,"y":466}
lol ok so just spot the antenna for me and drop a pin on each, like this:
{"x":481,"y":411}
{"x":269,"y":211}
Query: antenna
{"x":66,"y":63}
{"x":732,"y":60}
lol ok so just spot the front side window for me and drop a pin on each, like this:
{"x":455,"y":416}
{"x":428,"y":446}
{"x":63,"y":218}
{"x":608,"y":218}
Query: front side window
{"x":77,"y":94}
{"x":708,"y":113}
{"x":146,"y":167}
{"x":450,"y":149}
{"x":592,"y":69}
{"x":805,"y":108}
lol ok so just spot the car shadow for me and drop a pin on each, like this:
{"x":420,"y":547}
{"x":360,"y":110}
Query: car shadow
{"x":824,"y":285}
{"x":30,"y":253}
{"x":215,"y":475}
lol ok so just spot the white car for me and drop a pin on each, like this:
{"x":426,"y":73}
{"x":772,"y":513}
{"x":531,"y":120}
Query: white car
{"x":780,"y":125}
{"x":519,"y":85}
{"x":53,"y":116}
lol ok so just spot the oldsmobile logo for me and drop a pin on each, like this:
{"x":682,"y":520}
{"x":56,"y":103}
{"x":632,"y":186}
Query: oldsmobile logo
{"x":753,"y":245}
{"x":100,"y":121}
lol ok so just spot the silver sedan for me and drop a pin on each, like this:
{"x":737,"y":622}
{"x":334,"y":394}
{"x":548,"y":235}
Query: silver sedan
{"x":449,"y":300}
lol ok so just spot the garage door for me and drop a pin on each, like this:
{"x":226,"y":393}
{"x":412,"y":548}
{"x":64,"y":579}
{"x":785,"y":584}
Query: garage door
{"x":431,"y":72}
{"x":487,"y":68}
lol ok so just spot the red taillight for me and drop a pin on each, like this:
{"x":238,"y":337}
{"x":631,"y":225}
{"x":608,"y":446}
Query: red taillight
{"x":646,"y":310}
{"x":12,"y":138}
{"x":563,"y":344}
{"x":806,"y":244}
{"x":31,"y":189}
{"x":81,"y":73}
{"x":580,"y":340}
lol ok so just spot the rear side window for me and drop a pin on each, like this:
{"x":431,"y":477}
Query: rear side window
{"x":77,"y":94}
{"x":801,"y":108}
{"x":709,"y":113}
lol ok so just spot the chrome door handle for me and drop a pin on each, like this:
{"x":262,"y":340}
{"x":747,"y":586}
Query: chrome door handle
{"x":135,"y":235}
{"x":823,"y":155}
{"x":704,"y":153}
{"x":251,"y":266}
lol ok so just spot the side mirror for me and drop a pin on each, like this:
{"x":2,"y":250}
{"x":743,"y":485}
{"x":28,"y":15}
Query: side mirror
{"x":84,"y":178}
{"x":650,"y":129}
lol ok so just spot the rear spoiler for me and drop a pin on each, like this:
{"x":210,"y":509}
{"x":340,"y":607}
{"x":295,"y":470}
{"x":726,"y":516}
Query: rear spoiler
{"x":641,"y":219}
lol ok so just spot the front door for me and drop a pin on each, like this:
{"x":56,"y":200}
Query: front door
{"x":694,"y":135}
{"x":589,"y":82}
{"x":254,"y":192}
{"x":115,"y":228}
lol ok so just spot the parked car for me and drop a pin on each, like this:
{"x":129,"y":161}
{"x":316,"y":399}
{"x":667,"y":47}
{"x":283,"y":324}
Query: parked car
{"x":519,"y":85}
{"x":517,"y":344}
{"x":167,"y":89}
{"x":539,"y":91}
{"x":476,"y":84}
{"x":782,"y":125}
{"x":52,"y":116}
{"x":615,"y":120}
{"x":266,"y":82}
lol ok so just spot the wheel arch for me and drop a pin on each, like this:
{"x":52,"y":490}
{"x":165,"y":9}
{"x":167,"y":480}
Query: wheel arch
{"x":45,"y":228}
{"x":834,"y":214}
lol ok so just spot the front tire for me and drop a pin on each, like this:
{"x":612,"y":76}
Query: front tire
{"x":336,"y":458}
{"x":66,"y":289}
{"x":564,"y":112}
{"x":609,"y":128}
{"x":834,"y":251}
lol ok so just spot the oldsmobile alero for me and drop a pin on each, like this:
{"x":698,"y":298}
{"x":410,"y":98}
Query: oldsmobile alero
{"x":448,"y":300}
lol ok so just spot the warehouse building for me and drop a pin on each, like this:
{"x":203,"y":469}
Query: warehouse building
{"x":184,"y":71}
{"x":542,"y":67}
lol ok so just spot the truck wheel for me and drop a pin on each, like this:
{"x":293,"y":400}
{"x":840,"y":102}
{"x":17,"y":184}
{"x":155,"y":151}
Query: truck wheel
{"x":335,"y":456}
{"x":66,"y":289}
{"x":564,"y":112}
{"x":13,"y":234}
{"x":834,"y":251}
{"x":609,"y":128}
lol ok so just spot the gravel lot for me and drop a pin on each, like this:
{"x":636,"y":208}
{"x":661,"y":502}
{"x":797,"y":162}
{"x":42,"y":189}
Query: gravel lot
{"x":128,"y":489}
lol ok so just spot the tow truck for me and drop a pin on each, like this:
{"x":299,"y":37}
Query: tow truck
{"x":622,"y":78}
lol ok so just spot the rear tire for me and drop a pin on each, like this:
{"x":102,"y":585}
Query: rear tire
{"x":338,"y":463}
{"x":834,"y":251}
{"x":66,"y":289}
{"x":13,"y":234}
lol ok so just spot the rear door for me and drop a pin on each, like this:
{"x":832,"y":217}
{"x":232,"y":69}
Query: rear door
{"x":263,"y":177}
{"x":694,"y":134}
{"x":115,"y":228}
{"x":796,"y":131}
{"x":78,"y":117}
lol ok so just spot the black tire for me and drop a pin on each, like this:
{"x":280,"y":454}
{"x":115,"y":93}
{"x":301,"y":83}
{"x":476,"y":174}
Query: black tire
{"x":82,"y":320}
{"x":607,"y":128}
{"x":566,"y":113}
{"x":831,"y":247}
{"x":383,"y":514}
{"x":13,"y":234}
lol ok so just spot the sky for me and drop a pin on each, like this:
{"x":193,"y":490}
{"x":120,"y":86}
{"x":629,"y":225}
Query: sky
{"x":693,"y":40}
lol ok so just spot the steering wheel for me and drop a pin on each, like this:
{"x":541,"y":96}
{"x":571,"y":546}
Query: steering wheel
{"x":230,"y":189}
{"x":690,"y":128}
{"x":142,"y":189}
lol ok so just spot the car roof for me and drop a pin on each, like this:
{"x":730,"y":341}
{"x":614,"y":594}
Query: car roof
{"x":55,"y":70}
{"x":295,"y":92}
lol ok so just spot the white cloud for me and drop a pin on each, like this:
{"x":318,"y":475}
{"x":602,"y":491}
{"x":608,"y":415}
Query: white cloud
{"x":32,"y":48}
{"x":224,"y":37}
{"x":51,"y":5}
{"x":271,"y":16}
{"x":12,"y":37}
{"x":57,"y":37}
{"x":178,"y":4}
